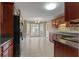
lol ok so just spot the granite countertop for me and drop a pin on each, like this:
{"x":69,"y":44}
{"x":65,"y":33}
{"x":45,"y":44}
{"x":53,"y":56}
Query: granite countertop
{"x":64,"y":41}
{"x":4,"y":43}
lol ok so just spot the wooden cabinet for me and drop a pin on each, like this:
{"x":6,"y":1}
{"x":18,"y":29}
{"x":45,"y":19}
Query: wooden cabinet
{"x":7,"y":49}
{"x":6,"y":28}
{"x":1,"y":11}
{"x":0,"y":52}
{"x":71,"y":13}
{"x":7,"y":18}
{"x":71,"y":10}
{"x":10,"y":49}
{"x":0,"y":17}
{"x":62,"y":50}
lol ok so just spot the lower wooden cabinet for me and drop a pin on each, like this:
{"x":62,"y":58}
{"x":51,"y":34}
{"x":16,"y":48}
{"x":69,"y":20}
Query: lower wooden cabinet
{"x":61,"y":50}
{"x":10,"y":51}
{"x":6,"y":50}
{"x":0,"y":52}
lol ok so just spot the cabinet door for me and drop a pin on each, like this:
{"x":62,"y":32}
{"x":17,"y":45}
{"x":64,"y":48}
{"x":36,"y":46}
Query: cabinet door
{"x":61,"y":50}
{"x":10,"y":51}
{"x":71,"y":10}
{"x":1,"y":11}
{"x":7,"y":26}
{"x":0,"y":52}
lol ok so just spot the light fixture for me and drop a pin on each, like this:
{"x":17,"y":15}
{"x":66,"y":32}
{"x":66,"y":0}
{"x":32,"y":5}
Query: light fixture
{"x":36,"y":19}
{"x":50,"y":6}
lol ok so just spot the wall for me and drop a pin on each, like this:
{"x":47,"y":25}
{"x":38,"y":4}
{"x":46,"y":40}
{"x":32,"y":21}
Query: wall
{"x":28,"y":29}
{"x":23,"y":27}
{"x":48,"y":25}
{"x":49,"y":28}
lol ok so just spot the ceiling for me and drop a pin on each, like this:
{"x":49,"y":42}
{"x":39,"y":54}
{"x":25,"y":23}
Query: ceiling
{"x":33,"y":10}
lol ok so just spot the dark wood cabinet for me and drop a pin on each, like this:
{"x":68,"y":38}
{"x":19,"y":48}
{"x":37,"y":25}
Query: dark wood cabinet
{"x":71,"y":10}
{"x":7,"y":49}
{"x":10,"y":49}
{"x":6,"y":28}
{"x":62,"y":50}
{"x":6,"y":21}
{"x":71,"y":13}
{"x":0,"y":52}
{"x":0,"y":17}
{"x":7,"y":18}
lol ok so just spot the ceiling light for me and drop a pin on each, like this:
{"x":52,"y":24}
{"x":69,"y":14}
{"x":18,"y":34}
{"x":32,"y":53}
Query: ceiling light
{"x":50,"y":6}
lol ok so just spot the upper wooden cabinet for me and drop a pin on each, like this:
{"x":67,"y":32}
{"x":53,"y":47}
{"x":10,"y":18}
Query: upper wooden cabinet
{"x":0,"y":16}
{"x":6,"y":18}
{"x":0,"y":12}
{"x":71,"y":10}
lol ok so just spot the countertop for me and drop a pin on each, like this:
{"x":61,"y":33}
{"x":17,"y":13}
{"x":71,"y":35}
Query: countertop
{"x":4,"y":39}
{"x":4,"y":43}
{"x":66,"y":42}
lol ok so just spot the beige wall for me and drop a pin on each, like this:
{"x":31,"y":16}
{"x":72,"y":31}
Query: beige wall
{"x":23,"y":28}
{"x":48,"y":27}
{"x":28,"y":29}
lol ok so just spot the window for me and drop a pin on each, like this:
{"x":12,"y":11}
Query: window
{"x":37,"y":29}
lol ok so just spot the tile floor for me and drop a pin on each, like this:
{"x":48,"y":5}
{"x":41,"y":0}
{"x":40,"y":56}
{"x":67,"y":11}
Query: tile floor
{"x":37,"y":47}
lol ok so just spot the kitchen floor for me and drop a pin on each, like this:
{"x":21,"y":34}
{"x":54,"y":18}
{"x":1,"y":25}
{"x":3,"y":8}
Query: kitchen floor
{"x":37,"y":47}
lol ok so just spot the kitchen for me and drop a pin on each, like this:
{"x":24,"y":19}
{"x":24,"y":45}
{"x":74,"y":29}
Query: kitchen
{"x":65,"y":37}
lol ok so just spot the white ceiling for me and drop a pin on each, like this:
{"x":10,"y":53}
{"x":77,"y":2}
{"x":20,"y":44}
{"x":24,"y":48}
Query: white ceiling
{"x":31,"y":10}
